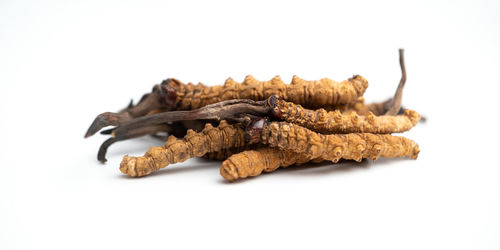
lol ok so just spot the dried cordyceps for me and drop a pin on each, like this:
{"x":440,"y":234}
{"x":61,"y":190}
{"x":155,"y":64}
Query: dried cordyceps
{"x":313,"y":94}
{"x":211,"y":139}
{"x":172,"y":94}
{"x":332,"y":147}
{"x":254,"y":162}
{"x":336,"y":122}
{"x":262,"y":125}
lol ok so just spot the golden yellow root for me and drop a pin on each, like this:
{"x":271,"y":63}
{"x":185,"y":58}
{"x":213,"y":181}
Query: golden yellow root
{"x":254,"y":162}
{"x":335,"y":122}
{"x":312,"y":94}
{"x":355,"y":146}
{"x":211,"y":139}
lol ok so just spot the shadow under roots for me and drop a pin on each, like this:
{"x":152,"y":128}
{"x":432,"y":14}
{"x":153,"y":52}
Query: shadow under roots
{"x":343,"y":166}
{"x":196,"y":164}
{"x":324,"y":168}
{"x":307,"y":169}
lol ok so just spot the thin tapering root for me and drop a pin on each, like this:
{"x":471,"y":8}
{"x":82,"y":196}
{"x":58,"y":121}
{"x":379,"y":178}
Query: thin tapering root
{"x":398,"y":95}
{"x":391,"y":106}
{"x":312,"y":94}
{"x":210,"y":139}
{"x":335,"y":122}
{"x":354,"y":146}
{"x":254,"y":162}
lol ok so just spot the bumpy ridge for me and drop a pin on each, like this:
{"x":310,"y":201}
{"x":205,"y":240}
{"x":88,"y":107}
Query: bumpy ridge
{"x":312,"y":94}
{"x":336,"y":122}
{"x":333,"y":147}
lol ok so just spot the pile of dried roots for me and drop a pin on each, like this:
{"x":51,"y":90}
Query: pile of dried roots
{"x":259,"y":126}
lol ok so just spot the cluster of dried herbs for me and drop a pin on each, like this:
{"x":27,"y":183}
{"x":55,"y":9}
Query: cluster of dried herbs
{"x":259,"y":126}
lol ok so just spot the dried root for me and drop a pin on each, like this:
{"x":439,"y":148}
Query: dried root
{"x":335,"y":122}
{"x":353,"y":146}
{"x":318,"y":120}
{"x":313,"y":94}
{"x":254,"y":162}
{"x":211,"y":139}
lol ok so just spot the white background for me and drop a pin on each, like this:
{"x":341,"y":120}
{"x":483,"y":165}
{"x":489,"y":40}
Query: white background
{"x":62,"y":63}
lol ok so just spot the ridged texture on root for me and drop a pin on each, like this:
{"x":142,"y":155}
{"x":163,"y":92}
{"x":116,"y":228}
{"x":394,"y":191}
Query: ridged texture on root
{"x":254,"y":162}
{"x":335,"y":122}
{"x":312,"y":94}
{"x":355,"y":146}
{"x":211,"y":139}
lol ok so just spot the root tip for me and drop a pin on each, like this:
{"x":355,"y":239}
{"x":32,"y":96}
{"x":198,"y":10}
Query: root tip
{"x":228,"y":171}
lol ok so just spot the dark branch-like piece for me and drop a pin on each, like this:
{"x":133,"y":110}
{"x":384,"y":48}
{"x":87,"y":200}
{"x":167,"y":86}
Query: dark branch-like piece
{"x":177,"y":129}
{"x":160,"y":98}
{"x":231,"y":110}
{"x":391,"y":106}
{"x":129,"y":134}
{"x":398,"y":95}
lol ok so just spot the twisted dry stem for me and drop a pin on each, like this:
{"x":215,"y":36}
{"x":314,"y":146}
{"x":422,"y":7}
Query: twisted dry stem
{"x":233,"y":110}
{"x":398,"y":95}
{"x":336,"y":122}
{"x":128,"y":134}
{"x":148,"y":103}
{"x":392,"y":106}
{"x":210,"y":139}
{"x":354,"y":146}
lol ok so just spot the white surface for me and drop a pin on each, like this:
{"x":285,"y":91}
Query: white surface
{"x":63,"y":63}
